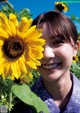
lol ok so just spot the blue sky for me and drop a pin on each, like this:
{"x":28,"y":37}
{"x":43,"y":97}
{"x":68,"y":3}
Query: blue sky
{"x":39,"y":6}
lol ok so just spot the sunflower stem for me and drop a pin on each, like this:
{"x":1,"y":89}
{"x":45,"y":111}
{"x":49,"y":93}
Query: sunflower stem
{"x":10,"y":101}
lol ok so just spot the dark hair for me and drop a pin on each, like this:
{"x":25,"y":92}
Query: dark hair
{"x":59,"y":25}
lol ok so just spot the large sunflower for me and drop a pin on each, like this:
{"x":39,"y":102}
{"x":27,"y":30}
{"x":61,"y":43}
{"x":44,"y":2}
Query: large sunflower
{"x":20,"y":46}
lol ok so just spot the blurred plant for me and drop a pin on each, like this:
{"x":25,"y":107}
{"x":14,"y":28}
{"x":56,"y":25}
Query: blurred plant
{"x":8,"y":8}
{"x":75,"y":68}
{"x":74,"y":18}
{"x":6,"y":97}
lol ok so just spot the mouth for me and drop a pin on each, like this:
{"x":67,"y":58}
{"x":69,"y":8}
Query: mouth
{"x":51,"y":66}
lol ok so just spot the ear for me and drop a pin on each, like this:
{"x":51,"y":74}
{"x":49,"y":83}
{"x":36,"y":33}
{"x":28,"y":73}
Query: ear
{"x":75,"y":50}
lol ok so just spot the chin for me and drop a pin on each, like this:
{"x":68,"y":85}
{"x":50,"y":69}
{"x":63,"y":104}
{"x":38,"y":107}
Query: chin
{"x":50,"y":76}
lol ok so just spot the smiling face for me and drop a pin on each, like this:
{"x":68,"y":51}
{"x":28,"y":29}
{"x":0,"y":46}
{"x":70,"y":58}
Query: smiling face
{"x":57,"y":57}
{"x":61,"y":38}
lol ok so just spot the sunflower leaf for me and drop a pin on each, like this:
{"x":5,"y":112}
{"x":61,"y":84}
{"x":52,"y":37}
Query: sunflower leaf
{"x":25,"y":13}
{"x":8,"y":8}
{"x":24,"y":93}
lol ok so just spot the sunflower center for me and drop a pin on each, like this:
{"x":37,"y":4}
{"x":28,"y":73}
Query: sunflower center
{"x":13,"y":47}
{"x":60,"y":7}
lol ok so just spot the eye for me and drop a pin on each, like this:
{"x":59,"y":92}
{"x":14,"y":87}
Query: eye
{"x":57,"y":42}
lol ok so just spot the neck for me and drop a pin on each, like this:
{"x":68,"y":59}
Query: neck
{"x":59,"y":89}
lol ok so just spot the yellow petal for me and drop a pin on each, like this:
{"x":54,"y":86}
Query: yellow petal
{"x":18,"y":68}
{"x":13,"y":18}
{"x":33,"y":35}
{"x":3,"y":34}
{"x":35,"y":61}
{"x":22,"y":64}
{"x":30,"y":30}
{"x":30,"y":75}
{"x":31,"y":64}
{"x":7,"y":71}
{"x":12,"y":77}
{"x":37,"y":42}
{"x":2,"y":71}
{"x":2,"y":60}
{"x":14,"y":70}
{"x":36,"y":53}
{"x":24,"y":24}
{"x":13,"y":22}
{"x":1,"y":43}
{"x":5,"y":23}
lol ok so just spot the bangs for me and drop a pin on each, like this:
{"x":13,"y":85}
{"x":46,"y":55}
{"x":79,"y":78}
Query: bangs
{"x":56,"y":31}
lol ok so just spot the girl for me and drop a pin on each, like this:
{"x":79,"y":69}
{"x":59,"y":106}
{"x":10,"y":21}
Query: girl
{"x":57,"y":86}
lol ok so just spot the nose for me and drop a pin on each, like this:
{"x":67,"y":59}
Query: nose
{"x":48,"y":52}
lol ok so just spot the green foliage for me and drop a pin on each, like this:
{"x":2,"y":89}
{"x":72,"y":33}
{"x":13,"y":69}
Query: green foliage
{"x":9,"y":90}
{"x":6,"y":97}
{"x":36,"y":75}
{"x":8,"y":8}
{"x":24,"y":93}
{"x":75,"y":68}
{"x":24,"y":13}
{"x":74,"y":18}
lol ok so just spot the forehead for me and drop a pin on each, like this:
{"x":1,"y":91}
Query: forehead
{"x":48,"y":32}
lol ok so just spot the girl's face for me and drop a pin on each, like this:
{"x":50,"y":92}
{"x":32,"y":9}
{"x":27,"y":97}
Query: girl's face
{"x":57,"y":58}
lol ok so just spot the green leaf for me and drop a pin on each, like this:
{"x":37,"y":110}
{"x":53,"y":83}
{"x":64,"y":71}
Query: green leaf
{"x":25,"y":13}
{"x":24,"y":93}
{"x":8,"y":8}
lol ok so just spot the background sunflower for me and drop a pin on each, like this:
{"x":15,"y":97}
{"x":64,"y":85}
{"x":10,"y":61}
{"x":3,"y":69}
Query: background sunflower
{"x":61,"y":6}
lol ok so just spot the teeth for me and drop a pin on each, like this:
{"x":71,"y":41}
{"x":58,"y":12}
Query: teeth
{"x":50,"y":66}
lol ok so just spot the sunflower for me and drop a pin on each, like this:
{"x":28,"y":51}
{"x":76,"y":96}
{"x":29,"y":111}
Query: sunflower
{"x":20,"y":46}
{"x":26,"y":79}
{"x":75,"y":58}
{"x":60,"y":6}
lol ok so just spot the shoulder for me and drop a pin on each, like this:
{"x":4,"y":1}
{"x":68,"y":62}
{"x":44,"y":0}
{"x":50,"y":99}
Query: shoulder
{"x":76,"y":84}
{"x":73,"y":105}
{"x":75,"y":97}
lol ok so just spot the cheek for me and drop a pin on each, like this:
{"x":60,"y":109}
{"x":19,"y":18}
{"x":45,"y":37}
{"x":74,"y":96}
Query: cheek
{"x":66,"y":54}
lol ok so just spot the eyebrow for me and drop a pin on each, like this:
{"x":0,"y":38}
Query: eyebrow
{"x":58,"y":38}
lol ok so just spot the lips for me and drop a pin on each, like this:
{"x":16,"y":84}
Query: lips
{"x":51,"y":66}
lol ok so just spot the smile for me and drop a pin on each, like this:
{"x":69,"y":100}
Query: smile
{"x":50,"y":66}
